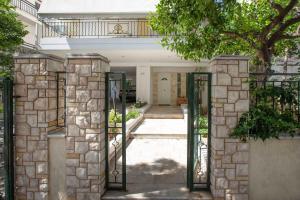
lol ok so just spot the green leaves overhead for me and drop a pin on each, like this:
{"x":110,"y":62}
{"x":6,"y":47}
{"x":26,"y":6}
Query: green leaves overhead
{"x":11,"y":36}
{"x":199,"y":29}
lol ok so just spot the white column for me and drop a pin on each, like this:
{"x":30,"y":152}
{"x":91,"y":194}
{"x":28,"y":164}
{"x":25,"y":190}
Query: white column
{"x":143,"y":83}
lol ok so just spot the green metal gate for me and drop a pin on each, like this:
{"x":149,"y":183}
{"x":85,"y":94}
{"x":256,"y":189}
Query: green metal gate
{"x":115,"y":131}
{"x":199,"y":129}
{"x":6,"y":140}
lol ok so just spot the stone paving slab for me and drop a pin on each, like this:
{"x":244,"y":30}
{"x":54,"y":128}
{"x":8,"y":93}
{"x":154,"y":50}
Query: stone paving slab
{"x":162,"y":127}
{"x":164,"y":112}
{"x":156,"y":169}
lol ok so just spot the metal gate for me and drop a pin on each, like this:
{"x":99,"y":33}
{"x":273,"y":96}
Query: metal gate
{"x":115,"y":131}
{"x":199,"y":129}
{"x":6,"y":140}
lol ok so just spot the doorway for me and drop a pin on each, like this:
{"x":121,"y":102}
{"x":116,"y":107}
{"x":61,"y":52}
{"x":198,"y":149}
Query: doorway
{"x":164,"y":88}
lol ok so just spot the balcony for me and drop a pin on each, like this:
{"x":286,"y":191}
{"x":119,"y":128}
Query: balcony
{"x":26,"y":6}
{"x":98,"y":28}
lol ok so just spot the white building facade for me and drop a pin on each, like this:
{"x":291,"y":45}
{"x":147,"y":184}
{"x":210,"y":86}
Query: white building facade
{"x":27,"y":14}
{"x":120,"y":31}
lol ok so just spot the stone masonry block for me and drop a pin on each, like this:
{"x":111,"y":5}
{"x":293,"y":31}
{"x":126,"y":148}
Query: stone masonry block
{"x":224,"y":79}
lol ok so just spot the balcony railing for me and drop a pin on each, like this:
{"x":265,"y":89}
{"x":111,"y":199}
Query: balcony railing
{"x":88,"y":28}
{"x":25,"y":6}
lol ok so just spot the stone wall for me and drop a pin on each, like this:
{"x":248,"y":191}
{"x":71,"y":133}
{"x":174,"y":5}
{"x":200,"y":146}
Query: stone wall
{"x":35,"y":90}
{"x":85,"y":79}
{"x":229,"y":157}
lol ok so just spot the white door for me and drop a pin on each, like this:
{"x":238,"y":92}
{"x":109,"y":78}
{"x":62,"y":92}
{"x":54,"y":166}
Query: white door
{"x":164,"y":89}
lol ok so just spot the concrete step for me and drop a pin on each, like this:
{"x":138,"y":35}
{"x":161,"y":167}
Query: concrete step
{"x":163,"y":116}
{"x":158,"y":136}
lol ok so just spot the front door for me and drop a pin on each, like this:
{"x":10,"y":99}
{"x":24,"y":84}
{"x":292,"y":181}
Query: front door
{"x":164,"y":89}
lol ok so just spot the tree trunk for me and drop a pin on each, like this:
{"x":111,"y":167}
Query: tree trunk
{"x":285,"y":64}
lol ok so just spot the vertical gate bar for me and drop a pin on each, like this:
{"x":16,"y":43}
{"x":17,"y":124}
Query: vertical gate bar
{"x":191,"y":130}
{"x":124,"y":88}
{"x":8,"y":138}
{"x":57,"y":98}
{"x":298,"y":101}
{"x":65,"y":99}
{"x":106,"y":111}
{"x":198,"y":151}
{"x":195,"y":126}
{"x":188,"y":129}
{"x":209,"y":128}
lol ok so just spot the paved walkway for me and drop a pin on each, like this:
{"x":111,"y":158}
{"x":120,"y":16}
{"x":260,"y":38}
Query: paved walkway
{"x":156,"y":167}
{"x":159,"y":128}
{"x":164,"y":112}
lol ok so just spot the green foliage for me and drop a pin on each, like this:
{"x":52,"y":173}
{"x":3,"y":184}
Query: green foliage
{"x":272,"y":115}
{"x":203,"y":124}
{"x":198,"y":29}
{"x":285,"y":95}
{"x":11,"y":34}
{"x":1,"y":108}
{"x":264,"y":122}
{"x":132,"y":113}
{"x":114,"y":117}
{"x":140,"y":104}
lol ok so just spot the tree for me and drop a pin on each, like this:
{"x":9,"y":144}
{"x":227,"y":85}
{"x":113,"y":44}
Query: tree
{"x":11,"y":34}
{"x":199,"y":29}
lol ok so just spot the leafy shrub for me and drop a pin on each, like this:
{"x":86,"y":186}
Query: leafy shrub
{"x":132,"y":113}
{"x":284,"y":96}
{"x":114,"y":117}
{"x":140,"y":104}
{"x":203,"y":124}
{"x":1,"y":108}
{"x":262,"y":121}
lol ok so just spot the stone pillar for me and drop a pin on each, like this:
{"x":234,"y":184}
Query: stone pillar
{"x":85,"y":153}
{"x":35,"y":90}
{"x":230,"y":99}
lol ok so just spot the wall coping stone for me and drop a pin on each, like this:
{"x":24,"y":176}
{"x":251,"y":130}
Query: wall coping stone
{"x":87,"y":56}
{"x":39,"y":56}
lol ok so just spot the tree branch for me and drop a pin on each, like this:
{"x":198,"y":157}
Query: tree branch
{"x":279,"y":18}
{"x":277,"y":34}
{"x":241,"y":36}
{"x":288,"y":37}
{"x":276,"y":6}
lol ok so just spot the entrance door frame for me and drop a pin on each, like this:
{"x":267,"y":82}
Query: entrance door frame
{"x":168,"y":75}
{"x":192,"y":91}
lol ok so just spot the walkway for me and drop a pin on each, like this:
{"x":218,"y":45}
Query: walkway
{"x":164,"y":112}
{"x":161,"y":128}
{"x":156,"y":163}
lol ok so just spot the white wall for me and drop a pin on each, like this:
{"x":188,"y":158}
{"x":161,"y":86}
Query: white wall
{"x":143,"y":83}
{"x":274,"y":169}
{"x":30,"y":22}
{"x":31,"y":36}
